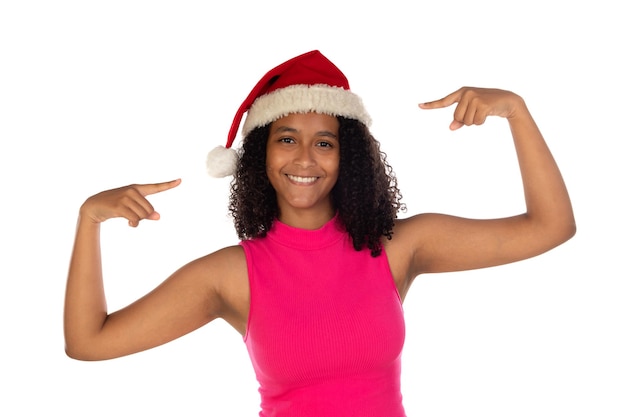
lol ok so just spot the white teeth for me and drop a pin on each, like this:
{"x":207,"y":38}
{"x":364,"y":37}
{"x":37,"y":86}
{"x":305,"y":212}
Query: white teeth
{"x":303,"y":180}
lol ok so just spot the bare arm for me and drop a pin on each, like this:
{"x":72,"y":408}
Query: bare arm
{"x":184,"y":302}
{"x":441,"y":243}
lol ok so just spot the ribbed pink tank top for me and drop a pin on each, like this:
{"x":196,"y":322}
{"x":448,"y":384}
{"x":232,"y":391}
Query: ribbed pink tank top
{"x":326,"y":325}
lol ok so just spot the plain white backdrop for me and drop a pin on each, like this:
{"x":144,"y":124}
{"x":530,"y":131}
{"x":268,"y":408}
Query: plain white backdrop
{"x":95,"y":95}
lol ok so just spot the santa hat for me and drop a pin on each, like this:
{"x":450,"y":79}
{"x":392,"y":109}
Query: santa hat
{"x":306,"y":83}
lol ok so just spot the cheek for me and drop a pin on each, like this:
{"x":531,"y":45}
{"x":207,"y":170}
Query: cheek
{"x":272,"y":173}
{"x":334,"y":166}
{"x":272,"y":159}
{"x":275,"y":161}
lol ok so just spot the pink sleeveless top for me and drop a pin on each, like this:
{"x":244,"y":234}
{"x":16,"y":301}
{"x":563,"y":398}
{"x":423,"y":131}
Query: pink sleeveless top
{"x":326,"y":325}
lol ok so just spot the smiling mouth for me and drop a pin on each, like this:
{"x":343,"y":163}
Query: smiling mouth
{"x":302,"y":180}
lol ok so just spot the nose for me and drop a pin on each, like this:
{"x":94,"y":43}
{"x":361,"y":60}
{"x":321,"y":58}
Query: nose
{"x":304,"y":157}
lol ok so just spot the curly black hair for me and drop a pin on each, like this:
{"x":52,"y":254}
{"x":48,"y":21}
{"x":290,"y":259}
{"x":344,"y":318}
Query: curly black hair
{"x":366,"y":195}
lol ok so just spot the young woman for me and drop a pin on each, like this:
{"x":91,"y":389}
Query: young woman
{"x":316,"y":285}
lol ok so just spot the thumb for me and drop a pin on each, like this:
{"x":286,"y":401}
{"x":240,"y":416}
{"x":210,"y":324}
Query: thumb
{"x":455,"y":125}
{"x":154,"y":216}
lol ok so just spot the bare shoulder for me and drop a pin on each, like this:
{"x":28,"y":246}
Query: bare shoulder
{"x":411,"y":232}
{"x":224,"y":261}
{"x":229,"y":270}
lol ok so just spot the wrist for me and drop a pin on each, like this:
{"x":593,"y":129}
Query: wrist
{"x":519,"y":110}
{"x":87,"y":220}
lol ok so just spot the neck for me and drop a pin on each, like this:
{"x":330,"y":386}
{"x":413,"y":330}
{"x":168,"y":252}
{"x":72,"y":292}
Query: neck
{"x":307,"y":219}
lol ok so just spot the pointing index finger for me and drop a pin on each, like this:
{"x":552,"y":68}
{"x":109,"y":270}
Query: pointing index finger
{"x":442,"y":102}
{"x":148,"y":189}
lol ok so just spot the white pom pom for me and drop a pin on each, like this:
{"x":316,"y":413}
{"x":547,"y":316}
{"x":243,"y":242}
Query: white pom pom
{"x":221,"y":162}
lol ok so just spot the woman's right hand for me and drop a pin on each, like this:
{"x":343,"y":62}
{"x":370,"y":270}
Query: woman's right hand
{"x":129,"y":202}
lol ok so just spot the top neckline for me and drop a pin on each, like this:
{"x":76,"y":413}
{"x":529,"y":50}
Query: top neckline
{"x":307,"y":239}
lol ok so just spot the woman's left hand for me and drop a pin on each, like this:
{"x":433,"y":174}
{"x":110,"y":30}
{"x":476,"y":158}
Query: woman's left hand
{"x":475,"y":104}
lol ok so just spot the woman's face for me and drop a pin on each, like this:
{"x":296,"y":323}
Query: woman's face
{"x":303,"y":161}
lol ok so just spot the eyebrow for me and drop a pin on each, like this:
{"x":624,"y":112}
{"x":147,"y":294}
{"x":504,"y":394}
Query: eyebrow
{"x":287,"y":129}
{"x":284,"y":129}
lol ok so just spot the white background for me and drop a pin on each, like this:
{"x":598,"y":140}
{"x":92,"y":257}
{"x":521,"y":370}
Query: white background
{"x":95,"y":95}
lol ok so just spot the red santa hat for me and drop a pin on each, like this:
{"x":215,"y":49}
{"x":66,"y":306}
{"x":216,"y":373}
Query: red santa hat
{"x":306,"y":83}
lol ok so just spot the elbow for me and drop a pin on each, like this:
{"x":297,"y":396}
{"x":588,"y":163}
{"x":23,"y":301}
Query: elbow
{"x":550,"y":233}
{"x":83,"y":356}
{"x":572,"y":230}
{"x":83,"y":345}
{"x":73,"y":348}
{"x":568,"y":223}
{"x":74,"y":353}
{"x":565,"y":231}
{"x":569,"y":227}
{"x":82,"y":352}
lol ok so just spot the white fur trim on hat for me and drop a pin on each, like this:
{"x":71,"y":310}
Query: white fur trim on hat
{"x":301,"y":98}
{"x":221,"y":162}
